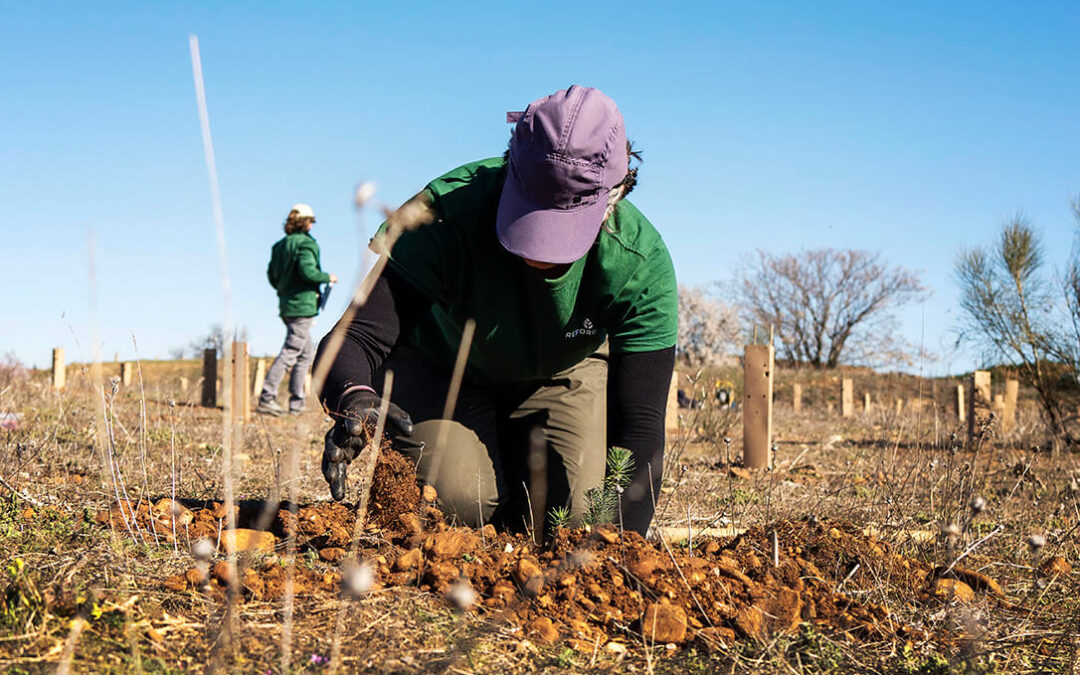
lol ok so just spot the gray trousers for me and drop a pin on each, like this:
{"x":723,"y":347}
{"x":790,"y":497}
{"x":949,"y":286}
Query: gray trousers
{"x":512,"y":453}
{"x":297,"y":353}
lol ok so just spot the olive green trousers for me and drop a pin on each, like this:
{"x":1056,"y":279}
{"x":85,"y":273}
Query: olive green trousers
{"x":512,"y":453}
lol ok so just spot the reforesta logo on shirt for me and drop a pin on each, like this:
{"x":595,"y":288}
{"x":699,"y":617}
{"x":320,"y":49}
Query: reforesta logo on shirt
{"x":587,"y":328}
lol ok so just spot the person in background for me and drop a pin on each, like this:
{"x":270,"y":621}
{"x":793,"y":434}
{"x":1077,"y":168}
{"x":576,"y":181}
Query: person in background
{"x":296,"y":275}
{"x":575,"y":305}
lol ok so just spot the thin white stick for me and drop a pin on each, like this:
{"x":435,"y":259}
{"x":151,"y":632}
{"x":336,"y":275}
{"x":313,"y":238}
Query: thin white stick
{"x":228,"y":384}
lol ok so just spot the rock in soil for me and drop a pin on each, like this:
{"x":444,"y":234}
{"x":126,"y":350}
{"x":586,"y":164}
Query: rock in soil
{"x":950,"y":589}
{"x":1056,"y":565}
{"x":244,"y":540}
{"x":664,"y":623}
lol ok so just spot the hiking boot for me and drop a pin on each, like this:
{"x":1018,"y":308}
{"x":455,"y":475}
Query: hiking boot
{"x":270,"y":407}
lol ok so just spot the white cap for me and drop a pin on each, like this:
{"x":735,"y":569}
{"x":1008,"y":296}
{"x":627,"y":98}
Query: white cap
{"x":303,"y":210}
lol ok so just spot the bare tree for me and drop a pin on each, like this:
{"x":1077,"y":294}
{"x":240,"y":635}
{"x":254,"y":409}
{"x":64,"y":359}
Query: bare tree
{"x":829,"y":306}
{"x":708,"y":327}
{"x":1012,"y":312}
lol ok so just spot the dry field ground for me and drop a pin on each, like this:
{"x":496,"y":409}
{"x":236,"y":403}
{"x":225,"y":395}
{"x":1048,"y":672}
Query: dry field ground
{"x":880,"y":543}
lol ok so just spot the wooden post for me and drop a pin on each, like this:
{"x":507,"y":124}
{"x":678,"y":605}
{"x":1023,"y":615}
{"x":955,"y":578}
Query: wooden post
{"x":209,"y":382}
{"x":899,"y":405}
{"x":671,"y":414}
{"x":847,"y":398}
{"x":1008,"y":417}
{"x":59,"y":370}
{"x":260,"y":377}
{"x":961,"y":410}
{"x":796,"y":396}
{"x":758,"y":363}
{"x":183,"y":384}
{"x":866,"y":403}
{"x":241,"y":395}
{"x":979,"y":406}
{"x":126,"y":370}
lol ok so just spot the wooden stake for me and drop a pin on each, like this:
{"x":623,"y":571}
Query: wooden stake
{"x":127,"y":368}
{"x":183,"y":384}
{"x":209,"y":373}
{"x":59,"y":370}
{"x":758,"y":363}
{"x":866,"y":403}
{"x":979,"y":406}
{"x":241,"y":394}
{"x":796,"y":396}
{"x":847,"y":398}
{"x":260,"y":378}
{"x":1008,"y":417}
{"x":961,"y":409}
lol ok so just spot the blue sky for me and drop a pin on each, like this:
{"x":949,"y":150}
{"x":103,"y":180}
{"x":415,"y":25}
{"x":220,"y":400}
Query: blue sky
{"x":913,"y":129}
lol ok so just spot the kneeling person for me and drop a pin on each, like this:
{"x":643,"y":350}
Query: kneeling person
{"x":575,"y":303}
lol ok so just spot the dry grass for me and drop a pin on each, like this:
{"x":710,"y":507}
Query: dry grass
{"x":74,"y":588}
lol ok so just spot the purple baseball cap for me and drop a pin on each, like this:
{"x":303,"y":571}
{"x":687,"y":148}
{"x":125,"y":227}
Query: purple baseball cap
{"x":567,"y":152}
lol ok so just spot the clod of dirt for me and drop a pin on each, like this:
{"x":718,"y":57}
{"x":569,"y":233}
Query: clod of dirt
{"x":750,"y":622}
{"x":451,"y":544}
{"x":950,"y":589}
{"x":976,"y":580}
{"x":176,"y":583}
{"x":393,"y":489}
{"x":195,"y":577}
{"x":529,"y":576}
{"x":1056,"y":565}
{"x":429,"y":494}
{"x":542,"y":630}
{"x":664,"y":623}
{"x":241,"y":540}
{"x":332,"y":554}
{"x":167,"y":510}
{"x":409,"y":560}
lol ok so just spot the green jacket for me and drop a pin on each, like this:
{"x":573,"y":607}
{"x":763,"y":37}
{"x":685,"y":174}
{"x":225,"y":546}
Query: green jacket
{"x":295,"y":273}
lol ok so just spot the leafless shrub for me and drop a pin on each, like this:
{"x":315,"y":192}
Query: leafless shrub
{"x":830,"y":306}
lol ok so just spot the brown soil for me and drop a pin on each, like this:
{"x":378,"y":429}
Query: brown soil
{"x":585,"y":585}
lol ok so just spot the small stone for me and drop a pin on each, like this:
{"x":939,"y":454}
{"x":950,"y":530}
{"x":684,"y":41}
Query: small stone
{"x":409,"y":560}
{"x":429,"y":494}
{"x":615,"y":648}
{"x":332,"y":554}
{"x":1056,"y":565}
{"x":949,"y":589}
{"x":542,"y":630}
{"x":529,"y":576}
{"x":606,"y":535}
{"x":166,"y":509}
{"x":410,"y":523}
{"x":489,"y":531}
{"x":195,"y":577}
{"x":221,"y":572}
{"x":664,"y":623}
{"x":450,"y":544}
{"x":244,"y":540}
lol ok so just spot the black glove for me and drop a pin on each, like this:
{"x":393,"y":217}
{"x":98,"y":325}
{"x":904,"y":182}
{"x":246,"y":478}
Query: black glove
{"x":359,"y":412}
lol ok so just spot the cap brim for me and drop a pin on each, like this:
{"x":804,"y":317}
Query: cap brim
{"x":556,"y":236}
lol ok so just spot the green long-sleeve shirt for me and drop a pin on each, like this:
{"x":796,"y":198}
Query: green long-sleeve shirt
{"x":295,"y":273}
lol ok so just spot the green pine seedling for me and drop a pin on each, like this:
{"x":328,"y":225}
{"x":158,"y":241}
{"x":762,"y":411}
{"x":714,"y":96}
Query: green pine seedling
{"x":602,"y":502}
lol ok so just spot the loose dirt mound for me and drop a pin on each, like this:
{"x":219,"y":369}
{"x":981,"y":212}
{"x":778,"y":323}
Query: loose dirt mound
{"x":583,"y":586}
